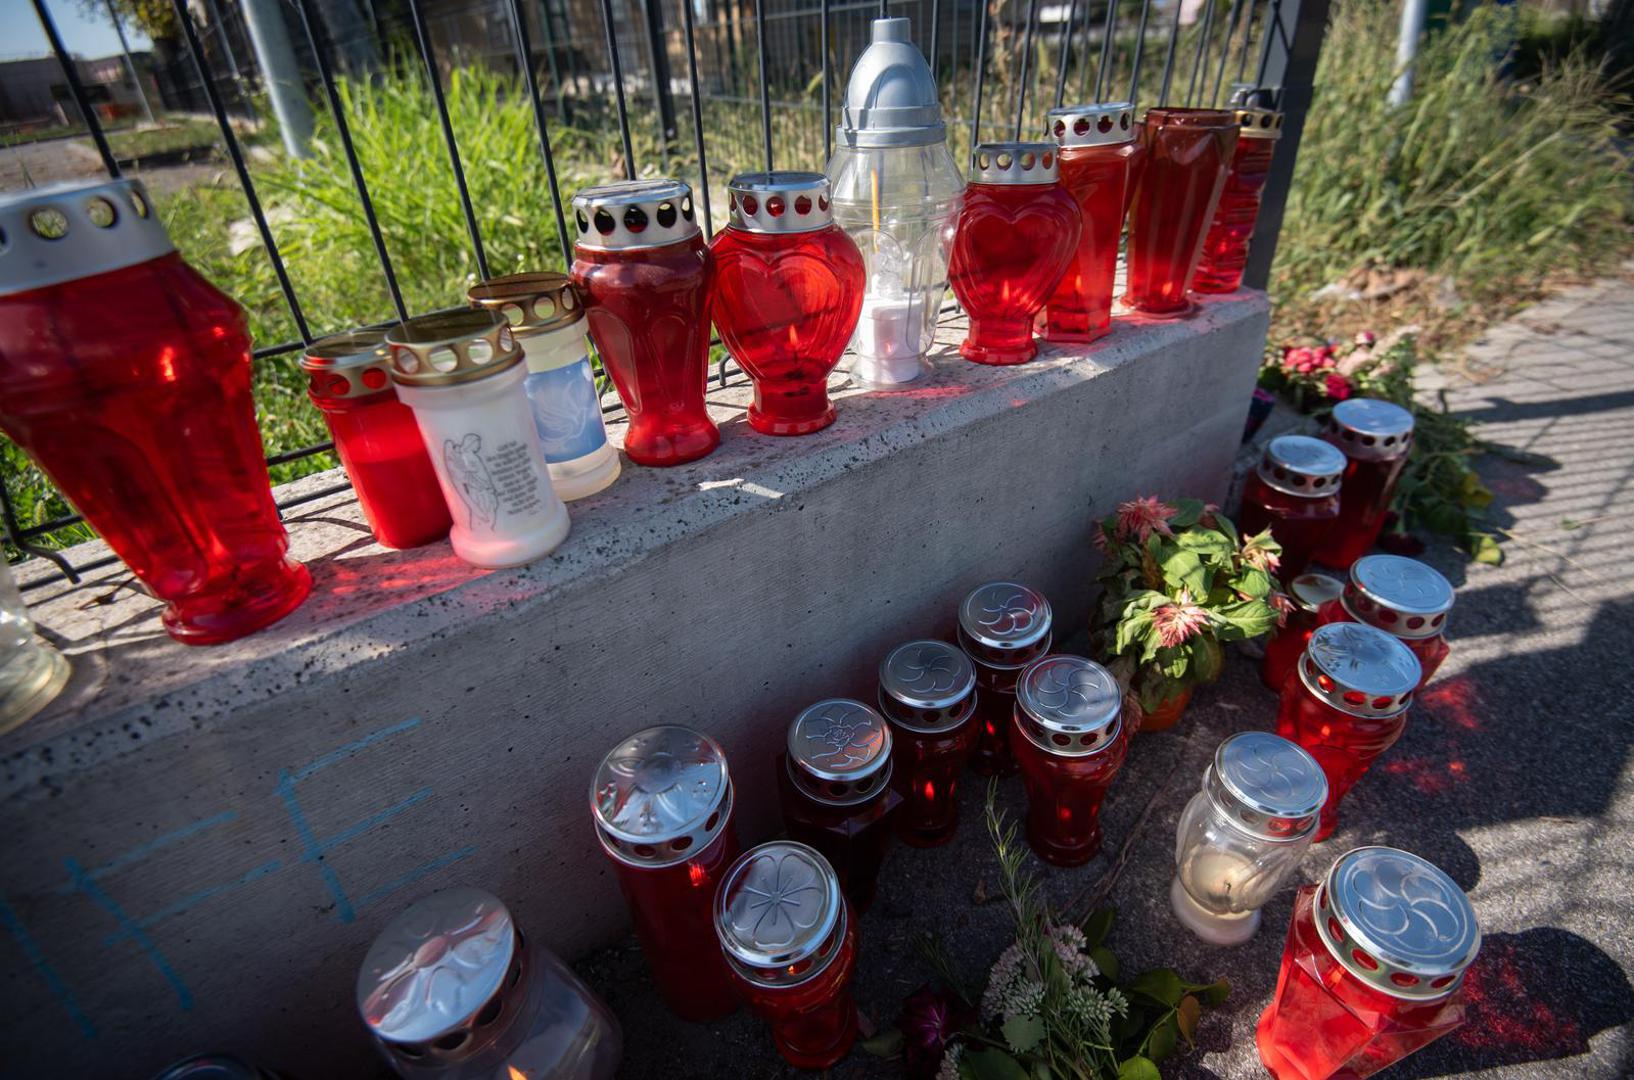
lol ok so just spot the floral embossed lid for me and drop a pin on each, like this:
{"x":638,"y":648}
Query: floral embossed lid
{"x":777,"y":912}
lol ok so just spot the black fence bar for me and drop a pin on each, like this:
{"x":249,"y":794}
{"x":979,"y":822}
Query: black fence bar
{"x":659,"y":60}
{"x":1197,"y":64}
{"x":828,"y":114}
{"x":524,"y":56}
{"x":766,"y":90}
{"x":981,"y":77}
{"x":1140,"y":51}
{"x":1103,"y":67}
{"x":1026,"y":66}
{"x":935,"y":29}
{"x":1273,"y":29}
{"x":1298,"y":88}
{"x":1065,"y":58}
{"x":618,"y":87}
{"x":70,"y":71}
{"x":441,"y":103}
{"x":697,"y":117}
{"x":1168,"y":56}
{"x":1248,"y":37}
{"x":1225,"y":47}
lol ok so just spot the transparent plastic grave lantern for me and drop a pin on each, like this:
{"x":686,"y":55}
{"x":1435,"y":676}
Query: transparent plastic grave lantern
{"x":451,"y":990}
{"x":126,"y":377}
{"x":1376,"y":438}
{"x":1188,"y":152}
{"x":1295,"y":492}
{"x":1404,"y":598}
{"x":927,"y":690}
{"x":1094,"y":143}
{"x":897,"y":191}
{"x":548,"y":320}
{"x":1242,"y":835}
{"x":1225,"y":247}
{"x":32,"y":673}
{"x":1003,"y":627}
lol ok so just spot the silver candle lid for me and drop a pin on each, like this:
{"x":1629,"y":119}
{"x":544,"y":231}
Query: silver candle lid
{"x":927,"y":686}
{"x":840,"y":752}
{"x":661,"y":795}
{"x":1256,"y":111}
{"x":634,"y":214}
{"x":779,"y":914}
{"x":891,"y":98}
{"x":779,"y":202}
{"x":1359,"y":670}
{"x":1014,"y":163}
{"x":1368,"y":429}
{"x":76,"y":230}
{"x":215,"y":1067}
{"x":1004,"y":624}
{"x":1397,"y":922}
{"x":435,"y":968}
{"x":1106,"y":123}
{"x":1266,"y":785}
{"x":1069,"y":705}
{"x":1311,"y":591}
{"x":342,"y":366}
{"x":1301,"y":465}
{"x":452,"y":347}
{"x":1398,"y":595}
{"x":533,"y":303}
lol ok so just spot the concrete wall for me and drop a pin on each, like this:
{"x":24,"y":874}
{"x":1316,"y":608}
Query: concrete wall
{"x":200,"y":842}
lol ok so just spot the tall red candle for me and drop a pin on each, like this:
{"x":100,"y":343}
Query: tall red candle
{"x":1003,"y":627}
{"x":927,"y":690}
{"x":1404,"y":598}
{"x":1187,"y":154}
{"x":1308,"y":593}
{"x":126,"y":376}
{"x":1016,"y":235}
{"x":1094,"y":166}
{"x":1376,"y":438}
{"x":1225,"y":248}
{"x":1295,"y":492}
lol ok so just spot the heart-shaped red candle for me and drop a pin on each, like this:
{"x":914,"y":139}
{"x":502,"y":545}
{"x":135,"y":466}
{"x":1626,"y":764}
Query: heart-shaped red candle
{"x":788,"y":289}
{"x":1017,"y":234}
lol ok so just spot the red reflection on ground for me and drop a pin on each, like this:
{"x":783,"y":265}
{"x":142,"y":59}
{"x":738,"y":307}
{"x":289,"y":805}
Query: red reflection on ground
{"x":1456,"y":700}
{"x":1429,"y":777}
{"x":1507,"y":1014}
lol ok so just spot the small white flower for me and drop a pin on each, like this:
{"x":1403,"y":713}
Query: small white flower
{"x":1006,"y":970}
{"x":950,"y":1063}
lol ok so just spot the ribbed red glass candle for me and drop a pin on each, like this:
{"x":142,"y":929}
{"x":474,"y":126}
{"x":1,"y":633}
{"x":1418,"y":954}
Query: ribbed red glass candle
{"x":1225,"y":249}
{"x":1016,"y":235}
{"x":1094,"y":166}
{"x":1403,"y":597}
{"x":1376,"y":438}
{"x":126,"y":376}
{"x":1282,"y":652}
{"x":927,"y":690}
{"x":1003,"y":627}
{"x":1295,"y":493}
{"x":645,"y":276}
{"x":1187,"y":154}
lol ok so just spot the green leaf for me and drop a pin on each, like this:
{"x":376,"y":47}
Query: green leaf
{"x":1254,"y":582}
{"x":1174,"y":662}
{"x":1207,"y":542}
{"x":1207,"y":658}
{"x":1473,"y":494}
{"x":1023,"y":1033}
{"x":993,"y":1064}
{"x":887,"y":1044}
{"x":1246,"y":619}
{"x":1041,"y":1071}
{"x":1160,"y":1043}
{"x":1214,"y":993}
{"x":1483,"y":548}
{"x":1186,"y":1017}
{"x":1160,"y":984}
{"x":1182,"y":569}
{"x":1098,"y":925}
{"x":1139,"y":1068}
{"x":1106,"y":960}
{"x":1187,"y":511}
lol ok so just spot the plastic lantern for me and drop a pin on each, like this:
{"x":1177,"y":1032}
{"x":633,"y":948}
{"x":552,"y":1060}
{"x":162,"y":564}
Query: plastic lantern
{"x":1003,"y":627}
{"x":1069,"y":738}
{"x":1187,"y":154}
{"x":645,"y":277}
{"x":548,"y":321}
{"x":451,"y":991}
{"x":126,"y":377}
{"x":1017,"y":233}
{"x":791,"y":942}
{"x":1093,"y":143}
{"x":1348,"y":704}
{"x":896,"y":190}
{"x":927,"y":690}
{"x":662,"y":802}
{"x":461,"y":372}
{"x":1376,"y":438}
{"x":1372,"y":970}
{"x":1402,"y":597}
{"x":1242,"y":835}
{"x":32,"y":673}
{"x":348,"y":377}
{"x":788,"y":287}
{"x":1225,"y":248}
{"x":1295,"y":492}
{"x":1308,"y":593}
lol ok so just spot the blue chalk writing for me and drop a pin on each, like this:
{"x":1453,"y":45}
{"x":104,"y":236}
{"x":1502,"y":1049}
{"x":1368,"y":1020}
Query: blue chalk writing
{"x":83,"y":882}
{"x":42,"y":967}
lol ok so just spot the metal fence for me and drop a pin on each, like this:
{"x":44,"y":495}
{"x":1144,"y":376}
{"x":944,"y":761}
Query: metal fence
{"x":1001,"y":65}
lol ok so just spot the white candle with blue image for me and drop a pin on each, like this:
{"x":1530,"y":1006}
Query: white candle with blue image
{"x":548,"y":321}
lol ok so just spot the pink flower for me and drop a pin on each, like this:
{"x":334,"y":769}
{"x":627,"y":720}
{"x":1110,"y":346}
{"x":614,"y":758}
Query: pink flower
{"x":1299,"y":359}
{"x":1366,"y":339}
{"x":1261,"y":558}
{"x":1282,"y":605}
{"x":1338,"y":387}
{"x":1178,"y":621}
{"x":1142,"y":517}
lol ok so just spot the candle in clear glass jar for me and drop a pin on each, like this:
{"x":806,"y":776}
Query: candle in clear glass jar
{"x":1287,"y":644}
{"x":548,"y":321}
{"x":1295,"y":492}
{"x":834,"y":780}
{"x":646,"y":279}
{"x":791,"y":943}
{"x":662,"y":801}
{"x":927,"y":690}
{"x":376,"y":438}
{"x":216,"y":1067}
{"x":1376,"y":438}
{"x":1402,"y":597}
{"x":1348,"y":704}
{"x":1093,"y":143}
{"x":461,"y":372}
{"x":1003,"y":627}
{"x":1372,"y":969}
{"x":1069,"y":739}
{"x":32,"y":673}
{"x":1225,"y":247}
{"x":450,"y":990}
{"x":1242,"y":835}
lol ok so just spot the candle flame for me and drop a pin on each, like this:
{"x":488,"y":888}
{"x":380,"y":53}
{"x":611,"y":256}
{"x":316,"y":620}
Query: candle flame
{"x":515,"y":1073}
{"x":167,"y":363}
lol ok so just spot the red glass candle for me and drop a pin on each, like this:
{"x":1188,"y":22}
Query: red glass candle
{"x":1187,"y":154}
{"x":1372,"y":970}
{"x":1135,"y":153}
{"x":927,"y":690}
{"x":645,"y":277}
{"x":1282,"y":652}
{"x":1094,"y":171}
{"x":790,"y":939}
{"x":834,"y":784}
{"x":788,"y":289}
{"x":1348,"y":704}
{"x":1402,"y":597}
{"x":376,"y":438}
{"x":1295,"y":492}
{"x":126,"y":377}
{"x":1225,"y":247}
{"x":1070,"y":740}
{"x":662,"y":801}
{"x":1376,"y":438}
{"x":1003,"y":627}
{"x":1017,"y":232}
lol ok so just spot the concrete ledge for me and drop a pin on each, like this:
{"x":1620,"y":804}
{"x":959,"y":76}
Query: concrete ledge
{"x":202,"y":841}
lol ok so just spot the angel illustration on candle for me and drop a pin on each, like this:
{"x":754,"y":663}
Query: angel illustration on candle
{"x":469,"y":472}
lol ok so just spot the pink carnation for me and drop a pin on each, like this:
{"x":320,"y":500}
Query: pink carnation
{"x":1338,"y":387}
{"x":1366,"y":339}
